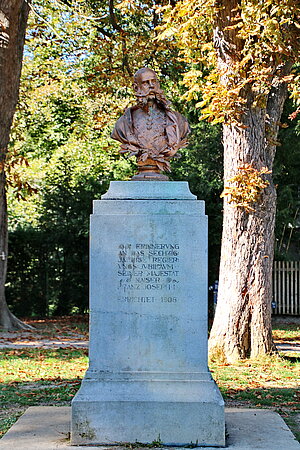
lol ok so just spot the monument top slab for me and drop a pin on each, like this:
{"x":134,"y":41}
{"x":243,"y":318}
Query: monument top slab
{"x":149,"y":190}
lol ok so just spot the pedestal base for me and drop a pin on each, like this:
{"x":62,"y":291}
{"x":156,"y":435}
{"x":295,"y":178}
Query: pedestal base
{"x":148,"y":378}
{"x":174,"y":411}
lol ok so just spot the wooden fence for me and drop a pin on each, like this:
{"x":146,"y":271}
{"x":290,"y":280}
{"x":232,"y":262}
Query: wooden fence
{"x":286,"y":287}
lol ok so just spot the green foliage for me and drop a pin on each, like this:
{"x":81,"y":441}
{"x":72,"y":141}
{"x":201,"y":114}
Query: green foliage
{"x":27,"y":283}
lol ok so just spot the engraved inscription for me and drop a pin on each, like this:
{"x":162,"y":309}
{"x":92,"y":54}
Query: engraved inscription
{"x":148,"y":267}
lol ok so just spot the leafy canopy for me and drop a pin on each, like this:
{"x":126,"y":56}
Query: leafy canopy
{"x":232,"y":46}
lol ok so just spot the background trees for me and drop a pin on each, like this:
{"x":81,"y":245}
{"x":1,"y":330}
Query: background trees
{"x":76,"y":81}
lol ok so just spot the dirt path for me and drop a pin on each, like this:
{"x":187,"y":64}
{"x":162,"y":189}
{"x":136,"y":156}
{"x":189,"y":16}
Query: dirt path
{"x":72,"y":332}
{"x":63,"y":332}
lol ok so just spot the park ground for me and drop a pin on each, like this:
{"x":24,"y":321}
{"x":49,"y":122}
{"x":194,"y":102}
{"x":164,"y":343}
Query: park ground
{"x":45,"y":367}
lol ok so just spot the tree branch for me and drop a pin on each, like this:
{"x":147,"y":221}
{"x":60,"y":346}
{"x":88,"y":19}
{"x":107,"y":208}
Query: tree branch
{"x":275,"y":102}
{"x":103,"y":31}
{"x":117,"y":27}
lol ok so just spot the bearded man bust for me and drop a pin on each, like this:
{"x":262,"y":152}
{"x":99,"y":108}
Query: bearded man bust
{"x":150,"y":130}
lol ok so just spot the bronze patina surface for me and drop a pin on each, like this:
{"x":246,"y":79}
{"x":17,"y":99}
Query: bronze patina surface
{"x":150,"y":130}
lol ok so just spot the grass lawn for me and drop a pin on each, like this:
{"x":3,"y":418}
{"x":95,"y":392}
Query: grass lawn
{"x":52,"y":376}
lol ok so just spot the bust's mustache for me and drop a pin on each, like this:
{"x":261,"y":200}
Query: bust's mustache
{"x":143,"y":98}
{"x":150,"y":91}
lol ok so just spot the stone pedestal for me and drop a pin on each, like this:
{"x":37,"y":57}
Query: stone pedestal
{"x":148,"y":378}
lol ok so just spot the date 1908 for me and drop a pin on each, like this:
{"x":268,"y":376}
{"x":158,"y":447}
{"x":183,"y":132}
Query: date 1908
{"x":168,"y":299}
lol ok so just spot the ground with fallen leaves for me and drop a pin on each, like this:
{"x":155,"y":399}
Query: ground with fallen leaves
{"x":45,"y":367}
{"x":61,"y":332}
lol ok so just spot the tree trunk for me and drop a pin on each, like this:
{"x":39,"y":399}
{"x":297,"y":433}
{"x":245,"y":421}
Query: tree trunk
{"x":13,"y":21}
{"x":242,"y":324}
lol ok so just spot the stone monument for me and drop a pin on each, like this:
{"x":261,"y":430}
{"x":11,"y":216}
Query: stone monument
{"x":148,"y":378}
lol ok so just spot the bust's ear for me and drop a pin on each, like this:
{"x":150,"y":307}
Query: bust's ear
{"x":135,"y":87}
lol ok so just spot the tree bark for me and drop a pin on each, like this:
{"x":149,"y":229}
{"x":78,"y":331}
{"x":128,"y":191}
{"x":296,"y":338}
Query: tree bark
{"x":13,"y":22}
{"x":242,"y":323}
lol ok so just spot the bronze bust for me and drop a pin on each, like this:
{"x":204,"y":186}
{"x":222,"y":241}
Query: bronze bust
{"x":150,"y":130}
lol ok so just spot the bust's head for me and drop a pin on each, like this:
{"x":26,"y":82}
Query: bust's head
{"x":146,"y":83}
{"x":147,"y":88}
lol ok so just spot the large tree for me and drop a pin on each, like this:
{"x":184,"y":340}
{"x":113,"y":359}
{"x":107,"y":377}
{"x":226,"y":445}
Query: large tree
{"x":242,"y":53}
{"x":13,"y":21}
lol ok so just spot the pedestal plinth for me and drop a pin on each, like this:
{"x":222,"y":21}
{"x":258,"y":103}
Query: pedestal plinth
{"x":148,"y":377}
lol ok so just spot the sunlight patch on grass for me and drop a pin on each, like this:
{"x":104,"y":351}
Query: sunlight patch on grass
{"x":41,"y":364}
{"x":269,"y":371}
{"x":286,"y":332}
